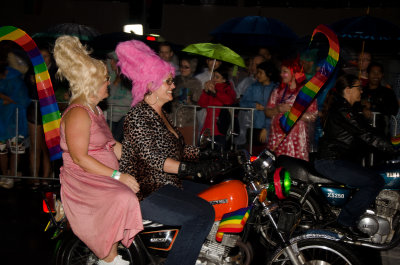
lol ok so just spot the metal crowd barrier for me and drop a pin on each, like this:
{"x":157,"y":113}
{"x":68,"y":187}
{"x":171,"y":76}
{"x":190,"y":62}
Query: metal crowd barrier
{"x":232,"y":125}
{"x":195,"y":129}
{"x":33,"y":145}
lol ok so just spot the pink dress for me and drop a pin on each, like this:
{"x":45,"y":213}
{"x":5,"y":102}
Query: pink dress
{"x":297,"y":143}
{"x":100,"y":209}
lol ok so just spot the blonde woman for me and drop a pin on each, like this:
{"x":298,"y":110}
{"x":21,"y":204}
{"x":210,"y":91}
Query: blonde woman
{"x":99,"y":201}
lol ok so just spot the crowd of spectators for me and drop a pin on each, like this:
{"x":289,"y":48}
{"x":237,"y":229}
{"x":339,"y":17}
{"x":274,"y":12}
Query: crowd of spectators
{"x":269,"y":85}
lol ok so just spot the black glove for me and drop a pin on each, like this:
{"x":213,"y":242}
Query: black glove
{"x":203,"y":170}
{"x":210,"y":154}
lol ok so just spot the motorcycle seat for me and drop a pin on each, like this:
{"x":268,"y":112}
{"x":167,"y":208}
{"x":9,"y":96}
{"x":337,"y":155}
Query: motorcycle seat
{"x":302,"y":170}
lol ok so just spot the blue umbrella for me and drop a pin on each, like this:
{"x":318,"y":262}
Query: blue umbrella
{"x":254,"y":31}
{"x":366,"y":28}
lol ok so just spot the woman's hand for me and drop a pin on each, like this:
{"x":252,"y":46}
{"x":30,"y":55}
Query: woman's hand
{"x":263,"y":135}
{"x":209,"y":87}
{"x":259,"y":106}
{"x":282,"y":108}
{"x":129,"y":181}
{"x":6,"y":99}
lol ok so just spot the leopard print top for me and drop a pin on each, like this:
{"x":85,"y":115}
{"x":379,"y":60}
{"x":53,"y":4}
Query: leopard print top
{"x":147,"y":144}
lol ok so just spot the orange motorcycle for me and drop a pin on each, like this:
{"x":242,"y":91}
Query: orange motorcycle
{"x":240,"y":207}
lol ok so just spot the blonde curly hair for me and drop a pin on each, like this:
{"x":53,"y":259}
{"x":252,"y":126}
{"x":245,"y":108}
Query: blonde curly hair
{"x":85,"y":74}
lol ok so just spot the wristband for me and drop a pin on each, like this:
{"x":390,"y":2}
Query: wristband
{"x":116,"y":174}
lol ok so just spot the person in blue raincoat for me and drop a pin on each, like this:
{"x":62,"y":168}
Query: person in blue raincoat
{"x":13,"y":96}
{"x":256,"y":96}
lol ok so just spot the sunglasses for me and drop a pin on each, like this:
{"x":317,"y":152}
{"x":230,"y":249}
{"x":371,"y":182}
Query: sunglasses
{"x":169,"y":81}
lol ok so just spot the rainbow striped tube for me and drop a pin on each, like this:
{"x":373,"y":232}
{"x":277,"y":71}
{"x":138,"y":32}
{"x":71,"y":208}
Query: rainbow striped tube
{"x":396,"y":140}
{"x":48,"y":106}
{"x":311,"y":88}
{"x":232,"y":222}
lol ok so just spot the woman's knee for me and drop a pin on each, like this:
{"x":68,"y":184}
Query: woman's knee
{"x":206,"y":210}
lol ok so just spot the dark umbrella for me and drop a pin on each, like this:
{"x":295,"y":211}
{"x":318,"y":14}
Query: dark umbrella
{"x":83,"y":32}
{"x":254,"y":31}
{"x":366,"y":28}
{"x":106,"y":43}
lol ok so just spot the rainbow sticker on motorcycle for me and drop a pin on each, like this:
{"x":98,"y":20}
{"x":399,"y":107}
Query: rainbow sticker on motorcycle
{"x":48,"y":106}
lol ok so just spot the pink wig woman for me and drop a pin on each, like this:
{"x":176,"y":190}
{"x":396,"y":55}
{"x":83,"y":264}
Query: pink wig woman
{"x":143,"y":66}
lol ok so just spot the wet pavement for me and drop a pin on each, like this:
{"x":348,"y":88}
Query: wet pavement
{"x":24,"y":241}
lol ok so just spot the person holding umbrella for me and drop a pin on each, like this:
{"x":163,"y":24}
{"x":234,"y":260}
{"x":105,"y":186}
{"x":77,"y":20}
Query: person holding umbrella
{"x":217,"y":92}
{"x":216,"y":53}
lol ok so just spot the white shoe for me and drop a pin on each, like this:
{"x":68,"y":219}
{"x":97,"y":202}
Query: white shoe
{"x":117,"y":261}
{"x":7,"y":183}
{"x":17,"y":145}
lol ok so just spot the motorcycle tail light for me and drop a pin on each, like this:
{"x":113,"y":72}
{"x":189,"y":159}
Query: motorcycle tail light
{"x":50,"y":198}
{"x":252,"y":158}
{"x":263,"y":195}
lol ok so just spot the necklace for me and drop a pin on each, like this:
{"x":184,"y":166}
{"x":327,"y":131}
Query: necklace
{"x":90,"y":107}
{"x":151,"y":104}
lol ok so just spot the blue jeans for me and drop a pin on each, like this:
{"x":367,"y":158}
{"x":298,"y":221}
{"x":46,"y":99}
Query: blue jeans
{"x":173,"y":206}
{"x":368,"y":182}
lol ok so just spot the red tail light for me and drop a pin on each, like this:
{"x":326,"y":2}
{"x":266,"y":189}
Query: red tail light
{"x":252,"y":158}
{"x":50,"y":197}
{"x":151,"y":38}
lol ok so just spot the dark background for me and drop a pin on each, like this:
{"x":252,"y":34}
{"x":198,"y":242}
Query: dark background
{"x":186,"y":21}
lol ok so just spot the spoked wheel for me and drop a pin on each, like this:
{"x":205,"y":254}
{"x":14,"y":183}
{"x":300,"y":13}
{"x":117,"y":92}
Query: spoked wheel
{"x":73,"y":251}
{"x":246,"y":253}
{"x":304,"y":217}
{"x":309,"y":218}
{"x":310,"y":210}
{"x":316,"y":252}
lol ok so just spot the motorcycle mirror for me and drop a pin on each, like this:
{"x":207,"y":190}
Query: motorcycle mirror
{"x":205,"y":139}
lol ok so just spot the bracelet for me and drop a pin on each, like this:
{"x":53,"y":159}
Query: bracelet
{"x":116,"y":174}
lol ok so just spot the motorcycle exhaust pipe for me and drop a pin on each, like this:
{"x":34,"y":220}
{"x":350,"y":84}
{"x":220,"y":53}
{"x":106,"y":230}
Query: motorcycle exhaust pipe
{"x":388,"y":246}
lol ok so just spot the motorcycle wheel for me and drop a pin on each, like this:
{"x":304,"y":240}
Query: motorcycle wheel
{"x":310,"y":212}
{"x":73,"y":251}
{"x":316,"y":252}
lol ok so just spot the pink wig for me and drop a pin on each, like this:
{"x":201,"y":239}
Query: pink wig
{"x":141,"y":65}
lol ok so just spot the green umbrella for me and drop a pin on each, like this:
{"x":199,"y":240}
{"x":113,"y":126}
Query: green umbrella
{"x":215,"y":51}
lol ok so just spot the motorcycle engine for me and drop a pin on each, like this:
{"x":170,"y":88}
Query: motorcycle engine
{"x":213,"y":252}
{"x":379,"y":223}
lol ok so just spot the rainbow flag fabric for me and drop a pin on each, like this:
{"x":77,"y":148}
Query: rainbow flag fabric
{"x":233,"y":222}
{"x":48,"y":106}
{"x":311,"y":88}
{"x":396,"y":140}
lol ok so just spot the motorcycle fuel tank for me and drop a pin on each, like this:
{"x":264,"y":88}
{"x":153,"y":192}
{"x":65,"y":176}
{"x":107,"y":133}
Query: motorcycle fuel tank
{"x":390,"y":171}
{"x":226,"y":197}
{"x":336,"y":196}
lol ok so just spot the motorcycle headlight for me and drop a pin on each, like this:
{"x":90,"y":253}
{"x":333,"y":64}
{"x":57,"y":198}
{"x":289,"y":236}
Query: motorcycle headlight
{"x":264,"y":163}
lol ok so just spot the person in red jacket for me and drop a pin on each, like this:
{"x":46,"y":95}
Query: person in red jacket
{"x":217,"y":92}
